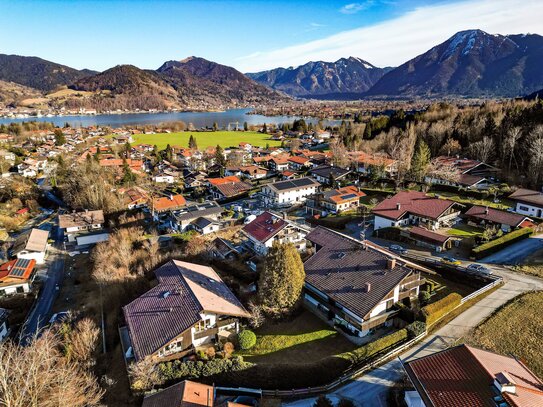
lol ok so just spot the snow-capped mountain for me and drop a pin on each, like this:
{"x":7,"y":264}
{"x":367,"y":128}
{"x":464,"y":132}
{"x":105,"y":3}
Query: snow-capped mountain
{"x":323,"y":79}
{"x":470,"y":63}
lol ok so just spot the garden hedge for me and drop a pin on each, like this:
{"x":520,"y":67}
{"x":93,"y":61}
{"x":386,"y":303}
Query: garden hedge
{"x":371,"y":349}
{"x":433,"y":312}
{"x":502,"y":242}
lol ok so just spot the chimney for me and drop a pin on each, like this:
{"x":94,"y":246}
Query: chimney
{"x":367,"y":287}
{"x":504,"y":383}
{"x":486,"y":210}
{"x":391,"y":263}
{"x":284,"y":215}
{"x":398,"y":206}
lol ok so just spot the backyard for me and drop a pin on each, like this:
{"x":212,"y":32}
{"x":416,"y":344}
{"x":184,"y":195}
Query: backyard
{"x":464,"y":231}
{"x":500,"y":335}
{"x":302,"y":339}
{"x":444,"y":286}
{"x":206,"y":139}
{"x":503,"y":204}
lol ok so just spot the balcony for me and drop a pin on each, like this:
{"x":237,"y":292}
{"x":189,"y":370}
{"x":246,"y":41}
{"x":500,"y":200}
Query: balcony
{"x":219,"y":326}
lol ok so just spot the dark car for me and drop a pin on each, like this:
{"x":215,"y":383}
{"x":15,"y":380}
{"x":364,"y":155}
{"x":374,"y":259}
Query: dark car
{"x":396,"y":248}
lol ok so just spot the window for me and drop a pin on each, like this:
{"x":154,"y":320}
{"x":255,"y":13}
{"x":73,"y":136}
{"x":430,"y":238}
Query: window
{"x":202,"y":325}
{"x":523,"y":208}
{"x":390,"y":303}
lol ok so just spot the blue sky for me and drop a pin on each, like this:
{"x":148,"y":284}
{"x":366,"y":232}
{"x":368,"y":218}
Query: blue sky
{"x":247,"y":34}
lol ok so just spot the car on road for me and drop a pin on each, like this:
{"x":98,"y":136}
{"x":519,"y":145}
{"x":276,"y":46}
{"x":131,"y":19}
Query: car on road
{"x":396,"y":248}
{"x":59,"y":317}
{"x":479,"y":269}
{"x":450,"y":261}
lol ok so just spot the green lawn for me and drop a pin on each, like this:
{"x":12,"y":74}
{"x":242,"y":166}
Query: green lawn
{"x":205,"y":139}
{"x":464,"y":231}
{"x":503,"y":204}
{"x":301,"y":340}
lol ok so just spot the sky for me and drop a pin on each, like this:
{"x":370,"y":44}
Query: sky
{"x":250,"y":35}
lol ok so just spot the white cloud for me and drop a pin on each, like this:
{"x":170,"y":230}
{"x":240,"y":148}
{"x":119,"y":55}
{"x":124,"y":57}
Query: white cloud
{"x":354,"y":8}
{"x":393,"y":42}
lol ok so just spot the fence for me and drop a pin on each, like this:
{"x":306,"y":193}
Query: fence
{"x":496,"y":280}
{"x":350,"y":375}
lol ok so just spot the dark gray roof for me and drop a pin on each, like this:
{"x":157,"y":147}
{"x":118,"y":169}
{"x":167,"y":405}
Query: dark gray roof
{"x":3,"y":315}
{"x":341,"y":268}
{"x":294,"y":184}
{"x":174,"y":305}
{"x":162,"y":313}
{"x":192,"y":212}
{"x":325,"y":171}
{"x":202,"y":222}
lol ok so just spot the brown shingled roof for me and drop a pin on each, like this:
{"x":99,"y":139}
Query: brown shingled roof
{"x":417,"y":203}
{"x":342,"y":268}
{"x":495,"y":216}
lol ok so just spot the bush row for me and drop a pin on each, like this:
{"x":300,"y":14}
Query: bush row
{"x":433,"y":312}
{"x":373,"y":348}
{"x":176,"y":370}
{"x":498,"y":244}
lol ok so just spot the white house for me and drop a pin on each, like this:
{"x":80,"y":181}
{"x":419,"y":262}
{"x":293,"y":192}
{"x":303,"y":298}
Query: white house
{"x":190,"y":306}
{"x":31,"y":245}
{"x":528,"y":202}
{"x":163,"y":178}
{"x":80,"y":223}
{"x":16,"y":276}
{"x":269,"y":228}
{"x":290,"y":192}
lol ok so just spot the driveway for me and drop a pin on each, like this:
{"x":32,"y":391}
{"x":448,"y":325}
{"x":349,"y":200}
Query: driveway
{"x":371,"y":388}
{"x":40,"y":313}
{"x":517,"y":252}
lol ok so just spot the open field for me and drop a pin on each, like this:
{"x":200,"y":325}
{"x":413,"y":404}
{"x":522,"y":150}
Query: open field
{"x":301,"y":340}
{"x":206,"y":139}
{"x":531,"y":269}
{"x":515,"y":329}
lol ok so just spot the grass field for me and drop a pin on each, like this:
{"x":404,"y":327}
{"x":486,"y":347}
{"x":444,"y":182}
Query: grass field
{"x":531,"y":269}
{"x":206,"y":139}
{"x":304,"y":339}
{"x":515,"y":329}
{"x":462,"y":230}
{"x":503,"y":204}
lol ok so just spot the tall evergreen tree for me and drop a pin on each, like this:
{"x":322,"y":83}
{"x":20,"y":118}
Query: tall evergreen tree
{"x":245,"y":126}
{"x":282,"y":279}
{"x":421,"y":159}
{"x":219,"y":156}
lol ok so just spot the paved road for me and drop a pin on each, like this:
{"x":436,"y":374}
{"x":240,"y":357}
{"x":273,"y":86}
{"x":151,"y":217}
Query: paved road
{"x":40,"y":314}
{"x":371,"y":389}
{"x":517,"y":252}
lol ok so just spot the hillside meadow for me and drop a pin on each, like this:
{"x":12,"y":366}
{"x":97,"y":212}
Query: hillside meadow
{"x":205,"y":139}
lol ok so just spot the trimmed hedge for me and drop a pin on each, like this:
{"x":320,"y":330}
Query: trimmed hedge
{"x":177,"y":369}
{"x":415,"y":329}
{"x":433,"y":312}
{"x":500,"y":243}
{"x":371,"y":349}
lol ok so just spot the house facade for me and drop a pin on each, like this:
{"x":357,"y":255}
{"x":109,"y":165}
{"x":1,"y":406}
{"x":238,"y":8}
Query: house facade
{"x":269,"y":228}
{"x":484,"y":216}
{"x":355,"y":284}
{"x":528,"y":202}
{"x":412,"y":208}
{"x":31,"y":245}
{"x":16,"y":276}
{"x":191,"y":306}
{"x":334,"y":201}
{"x":289,"y":192}
{"x":77,"y":223}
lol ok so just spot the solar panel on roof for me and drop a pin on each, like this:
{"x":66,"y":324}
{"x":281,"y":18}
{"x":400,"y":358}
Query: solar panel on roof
{"x":348,"y":196}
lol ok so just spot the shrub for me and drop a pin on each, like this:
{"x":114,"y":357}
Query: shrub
{"x":405,"y":313}
{"x":496,"y":245}
{"x":210,"y":352}
{"x":323,"y":401}
{"x":415,"y":329}
{"x":178,"y":370}
{"x":424,"y":297}
{"x":373,"y":348}
{"x":433,"y":312}
{"x":228,"y":349}
{"x":246,"y":339}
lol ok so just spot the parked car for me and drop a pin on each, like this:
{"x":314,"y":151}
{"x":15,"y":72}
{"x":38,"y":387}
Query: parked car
{"x":59,"y":317}
{"x":479,"y":269}
{"x":396,"y":248}
{"x":451,"y":261}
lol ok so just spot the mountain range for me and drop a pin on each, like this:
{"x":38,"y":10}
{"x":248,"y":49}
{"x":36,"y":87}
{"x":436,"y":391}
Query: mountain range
{"x":323,"y":79}
{"x":471,"y":63}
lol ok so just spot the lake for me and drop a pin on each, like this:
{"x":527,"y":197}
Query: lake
{"x":198,"y":119}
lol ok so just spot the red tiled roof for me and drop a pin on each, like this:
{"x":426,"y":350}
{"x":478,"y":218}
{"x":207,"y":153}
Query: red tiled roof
{"x":264,"y":227}
{"x":495,"y":215}
{"x":169,"y":203}
{"x":298,"y":160}
{"x":223,"y":180}
{"x":19,"y":269}
{"x":463,"y":376}
{"x":414,"y":202}
{"x":427,"y":235}
{"x":528,"y":196}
